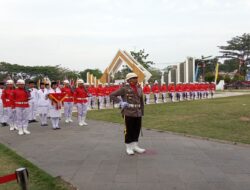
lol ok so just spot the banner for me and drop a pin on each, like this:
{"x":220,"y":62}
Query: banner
{"x":57,"y":99}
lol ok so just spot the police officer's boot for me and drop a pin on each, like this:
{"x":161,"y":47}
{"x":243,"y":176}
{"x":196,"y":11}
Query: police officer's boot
{"x":25,"y":130}
{"x":129,"y":149}
{"x":137,"y":149}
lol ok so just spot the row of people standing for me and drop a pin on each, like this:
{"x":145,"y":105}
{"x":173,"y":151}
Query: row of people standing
{"x":20,"y":105}
{"x":180,"y":91}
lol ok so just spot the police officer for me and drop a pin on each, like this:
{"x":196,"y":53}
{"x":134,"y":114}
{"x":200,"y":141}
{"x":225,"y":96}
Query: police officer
{"x":132,"y":110}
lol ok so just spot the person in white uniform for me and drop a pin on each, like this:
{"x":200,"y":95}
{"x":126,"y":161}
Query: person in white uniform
{"x":33,"y":101}
{"x":3,"y":114}
{"x":43,"y":104}
{"x":54,"y":110}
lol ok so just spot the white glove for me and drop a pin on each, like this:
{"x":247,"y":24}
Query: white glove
{"x":123,"y":104}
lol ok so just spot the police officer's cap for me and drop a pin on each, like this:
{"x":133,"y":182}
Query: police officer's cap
{"x":131,"y":75}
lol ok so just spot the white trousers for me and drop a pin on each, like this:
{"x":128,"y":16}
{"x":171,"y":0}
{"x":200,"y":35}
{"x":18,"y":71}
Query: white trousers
{"x":3,"y":114}
{"x":11,"y":116}
{"x":32,"y":111}
{"x":55,"y":122}
{"x":22,"y":118}
{"x":147,"y":98}
{"x":82,"y":110}
{"x":68,"y":107}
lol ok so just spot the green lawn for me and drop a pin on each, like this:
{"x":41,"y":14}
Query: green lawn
{"x":221,"y":118}
{"x":39,"y":180}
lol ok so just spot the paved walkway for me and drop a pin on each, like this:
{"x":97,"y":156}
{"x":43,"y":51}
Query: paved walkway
{"x":93,"y":158}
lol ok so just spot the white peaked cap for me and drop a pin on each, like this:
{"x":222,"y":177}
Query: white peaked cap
{"x":66,"y":81}
{"x":79,"y":81}
{"x":20,"y":81}
{"x":9,"y":82}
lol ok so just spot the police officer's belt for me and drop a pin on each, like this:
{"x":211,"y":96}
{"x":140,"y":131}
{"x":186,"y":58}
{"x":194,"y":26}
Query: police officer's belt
{"x":134,"y":105}
{"x":21,"y":102}
{"x":81,"y":98}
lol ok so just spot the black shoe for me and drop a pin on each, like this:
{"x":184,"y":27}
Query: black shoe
{"x":30,"y":121}
{"x":54,"y":128}
{"x":34,"y":121}
{"x":58,"y":128}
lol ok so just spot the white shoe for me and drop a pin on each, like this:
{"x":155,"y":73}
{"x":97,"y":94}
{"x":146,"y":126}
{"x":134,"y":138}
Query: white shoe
{"x":70,"y":120}
{"x":12,"y":128}
{"x":20,"y":132}
{"x":129,"y":149}
{"x":84,"y":123}
{"x":137,"y":149}
{"x":80,"y":123}
{"x":26,"y":131}
{"x":66,"y":121}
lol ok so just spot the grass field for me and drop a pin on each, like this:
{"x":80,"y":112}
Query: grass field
{"x":221,"y":118}
{"x":39,"y":180}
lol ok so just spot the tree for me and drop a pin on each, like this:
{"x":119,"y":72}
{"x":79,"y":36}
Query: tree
{"x":238,"y":48}
{"x":141,"y":57}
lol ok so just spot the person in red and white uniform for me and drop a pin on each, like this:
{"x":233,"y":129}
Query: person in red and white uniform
{"x":68,"y":102}
{"x":178,"y":90}
{"x":171,"y":91}
{"x":21,"y":101}
{"x":92,"y":92}
{"x":43,"y":104}
{"x":212,"y":88}
{"x":54,"y":108}
{"x":156,"y":92}
{"x":81,"y":101}
{"x":164,"y":92}
{"x":100,"y":94}
{"x":107,"y":91}
{"x":146,"y":92}
{"x":8,"y":104}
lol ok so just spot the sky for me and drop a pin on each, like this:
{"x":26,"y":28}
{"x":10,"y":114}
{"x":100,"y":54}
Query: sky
{"x":81,"y":34}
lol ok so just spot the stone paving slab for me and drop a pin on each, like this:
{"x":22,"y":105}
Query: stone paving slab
{"x":94,"y":157}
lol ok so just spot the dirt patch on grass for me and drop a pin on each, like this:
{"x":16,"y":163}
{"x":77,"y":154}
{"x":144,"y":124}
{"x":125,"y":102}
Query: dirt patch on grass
{"x":245,"y":118}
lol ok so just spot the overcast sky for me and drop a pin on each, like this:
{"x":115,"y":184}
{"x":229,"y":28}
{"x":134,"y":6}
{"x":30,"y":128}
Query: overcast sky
{"x":80,"y":34}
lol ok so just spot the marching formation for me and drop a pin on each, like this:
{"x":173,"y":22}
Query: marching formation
{"x":21,"y":103}
{"x":178,"y":92}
